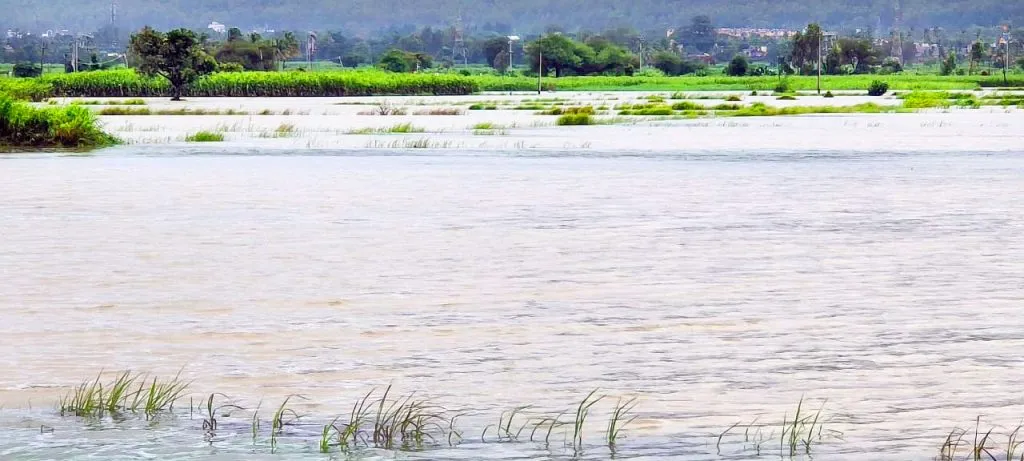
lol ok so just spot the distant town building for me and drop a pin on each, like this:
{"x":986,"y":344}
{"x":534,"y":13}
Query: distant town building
{"x":747,"y":32}
{"x":217,"y":27}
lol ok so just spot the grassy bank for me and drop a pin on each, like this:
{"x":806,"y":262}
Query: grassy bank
{"x":24,"y":126}
{"x":126,"y":83}
{"x":725,"y":83}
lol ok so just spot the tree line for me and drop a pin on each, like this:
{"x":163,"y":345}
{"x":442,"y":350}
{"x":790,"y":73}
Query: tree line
{"x":360,"y":17}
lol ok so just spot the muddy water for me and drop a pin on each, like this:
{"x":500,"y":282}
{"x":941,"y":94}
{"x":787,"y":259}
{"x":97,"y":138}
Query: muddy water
{"x":717,"y":288}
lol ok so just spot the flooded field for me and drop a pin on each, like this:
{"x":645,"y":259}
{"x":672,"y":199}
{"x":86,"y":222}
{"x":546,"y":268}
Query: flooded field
{"x":719,"y":270}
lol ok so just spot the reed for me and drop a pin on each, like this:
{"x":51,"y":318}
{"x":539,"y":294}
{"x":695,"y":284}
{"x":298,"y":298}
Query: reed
{"x":93,"y":398}
{"x":620,"y":418}
{"x":582,"y":411}
{"x":800,"y":431}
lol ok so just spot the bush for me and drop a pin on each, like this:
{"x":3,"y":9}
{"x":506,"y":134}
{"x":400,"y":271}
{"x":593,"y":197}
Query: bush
{"x":783,"y":87}
{"x":828,"y":94}
{"x":230,"y":67}
{"x":891,"y":66}
{"x":878,"y":88}
{"x":27,"y":70}
{"x":738,"y":66}
{"x":735,"y":98}
{"x":575,"y":119}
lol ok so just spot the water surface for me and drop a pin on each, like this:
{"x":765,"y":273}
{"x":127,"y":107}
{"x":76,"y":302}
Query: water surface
{"x":717,"y":288}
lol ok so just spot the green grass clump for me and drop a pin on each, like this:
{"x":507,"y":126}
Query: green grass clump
{"x":925,"y":100}
{"x":568,"y":110}
{"x":786,"y":97}
{"x":687,"y":105}
{"x":22,"y":125}
{"x":205,"y":136}
{"x":733,"y":98}
{"x":403,"y":128}
{"x":726,"y":107}
{"x":483,"y":107}
{"x":649,"y":111}
{"x":762,"y":110}
{"x":575,"y":119}
{"x":115,"y":110}
{"x":125,"y":393}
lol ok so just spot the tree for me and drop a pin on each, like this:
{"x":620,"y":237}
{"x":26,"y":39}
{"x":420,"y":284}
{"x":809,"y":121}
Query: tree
{"x":805,"y":49}
{"x":395,"y":60}
{"x":700,"y":34}
{"x":949,"y":64}
{"x":176,"y":56}
{"x":559,"y":53}
{"x":492,"y":48}
{"x":976,"y":54}
{"x":667,"y":62}
{"x":738,"y":66}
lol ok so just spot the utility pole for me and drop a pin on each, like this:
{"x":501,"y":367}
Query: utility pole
{"x":1006,"y":63}
{"x":540,"y":70}
{"x":820,"y":33}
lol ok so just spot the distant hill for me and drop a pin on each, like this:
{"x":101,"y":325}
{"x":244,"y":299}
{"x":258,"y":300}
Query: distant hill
{"x":520,"y":16}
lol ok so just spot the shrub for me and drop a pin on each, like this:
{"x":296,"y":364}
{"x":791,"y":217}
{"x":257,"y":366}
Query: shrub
{"x":735,"y":98}
{"x":783,"y":87}
{"x":27,"y":70}
{"x":786,"y":97}
{"x":230,"y":67}
{"x":878,"y":88}
{"x":828,"y":94}
{"x":738,"y":66}
{"x":575,"y":119}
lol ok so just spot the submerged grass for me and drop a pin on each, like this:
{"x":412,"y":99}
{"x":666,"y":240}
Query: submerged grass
{"x":96,"y":398}
{"x":205,"y":136}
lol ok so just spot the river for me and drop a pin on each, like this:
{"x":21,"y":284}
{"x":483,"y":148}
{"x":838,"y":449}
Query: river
{"x":885,"y":287}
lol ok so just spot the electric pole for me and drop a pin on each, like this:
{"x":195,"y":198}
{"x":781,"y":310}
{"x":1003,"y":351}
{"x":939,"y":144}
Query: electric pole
{"x":820,"y":33}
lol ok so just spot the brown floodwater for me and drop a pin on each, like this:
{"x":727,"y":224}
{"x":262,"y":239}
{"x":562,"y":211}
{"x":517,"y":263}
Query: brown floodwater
{"x":716,"y":286}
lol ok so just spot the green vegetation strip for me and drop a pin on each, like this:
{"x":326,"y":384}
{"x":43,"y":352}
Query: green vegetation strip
{"x":724,"y":83}
{"x":126,"y":83}
{"x":24,"y":126}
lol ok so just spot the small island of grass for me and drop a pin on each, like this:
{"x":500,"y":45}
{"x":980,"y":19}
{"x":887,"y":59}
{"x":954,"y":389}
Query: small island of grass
{"x":24,"y":127}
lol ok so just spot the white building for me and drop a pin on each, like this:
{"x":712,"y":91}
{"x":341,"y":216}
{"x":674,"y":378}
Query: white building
{"x":217,"y":27}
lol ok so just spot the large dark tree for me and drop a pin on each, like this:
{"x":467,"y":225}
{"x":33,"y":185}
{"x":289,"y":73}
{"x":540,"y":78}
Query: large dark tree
{"x":176,"y":56}
{"x":700,"y":34}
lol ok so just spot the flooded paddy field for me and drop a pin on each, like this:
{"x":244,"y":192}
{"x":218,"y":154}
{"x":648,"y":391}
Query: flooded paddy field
{"x":718,"y":269}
